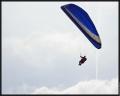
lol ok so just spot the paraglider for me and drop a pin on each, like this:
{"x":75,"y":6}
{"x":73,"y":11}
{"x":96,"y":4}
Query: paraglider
{"x":82,"y":20}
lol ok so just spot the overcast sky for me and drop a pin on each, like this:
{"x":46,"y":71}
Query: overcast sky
{"x":41,"y":48}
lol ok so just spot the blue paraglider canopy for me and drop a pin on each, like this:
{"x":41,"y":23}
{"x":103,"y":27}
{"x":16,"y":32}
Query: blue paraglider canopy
{"x":82,"y":20}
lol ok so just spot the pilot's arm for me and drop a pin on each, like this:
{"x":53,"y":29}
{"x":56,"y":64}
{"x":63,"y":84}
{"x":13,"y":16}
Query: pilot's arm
{"x":81,"y":56}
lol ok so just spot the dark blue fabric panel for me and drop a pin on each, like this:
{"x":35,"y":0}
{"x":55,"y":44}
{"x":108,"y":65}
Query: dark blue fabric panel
{"x":81,"y":15}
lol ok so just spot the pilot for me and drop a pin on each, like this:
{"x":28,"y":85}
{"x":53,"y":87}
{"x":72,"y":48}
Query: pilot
{"x":83,"y":59}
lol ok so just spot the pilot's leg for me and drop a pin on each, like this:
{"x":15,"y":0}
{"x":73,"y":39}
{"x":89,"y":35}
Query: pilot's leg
{"x":80,"y":63}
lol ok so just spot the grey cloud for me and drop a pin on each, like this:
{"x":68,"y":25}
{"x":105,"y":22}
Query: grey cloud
{"x":84,"y":87}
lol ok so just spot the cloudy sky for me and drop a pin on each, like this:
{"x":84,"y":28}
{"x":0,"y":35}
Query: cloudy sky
{"x":41,"y":49}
